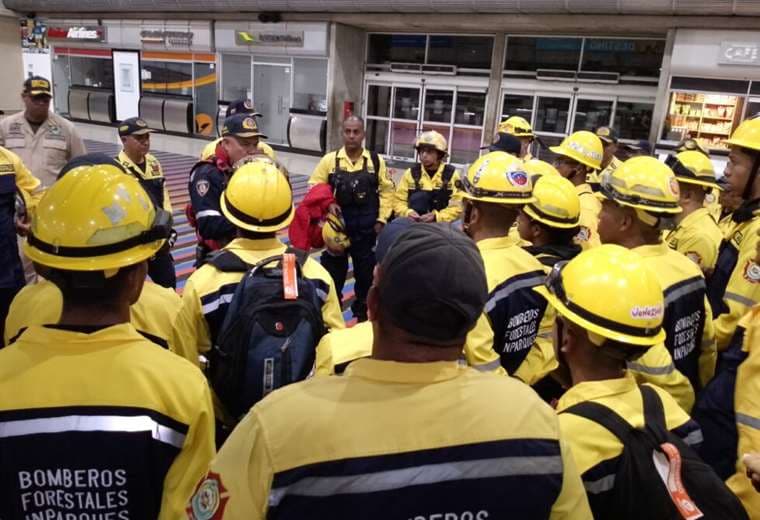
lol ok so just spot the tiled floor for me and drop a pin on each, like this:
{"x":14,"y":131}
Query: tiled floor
{"x":176,"y":166}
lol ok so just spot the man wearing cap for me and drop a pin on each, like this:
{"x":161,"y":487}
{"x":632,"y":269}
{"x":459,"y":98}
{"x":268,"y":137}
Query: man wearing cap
{"x":138,"y":162}
{"x":208,"y":178}
{"x":609,"y":139}
{"x":696,"y":234}
{"x":44,"y":140}
{"x":386,"y":439}
{"x":97,"y":417}
{"x":239,"y":106}
{"x":364,"y":192}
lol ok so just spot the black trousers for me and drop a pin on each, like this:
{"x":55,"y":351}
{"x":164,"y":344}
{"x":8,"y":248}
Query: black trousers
{"x":6,"y":297}
{"x":161,"y":269}
{"x":362,"y":253}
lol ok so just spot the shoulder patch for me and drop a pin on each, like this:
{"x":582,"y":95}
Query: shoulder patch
{"x":694,"y":257}
{"x":202,"y":187}
{"x":209,"y":500}
{"x":583,"y":235}
{"x":752,"y":272}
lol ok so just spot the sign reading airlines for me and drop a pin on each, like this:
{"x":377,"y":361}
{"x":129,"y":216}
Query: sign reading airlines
{"x":270,"y":39}
{"x":733,"y":53}
{"x":90,"y":33}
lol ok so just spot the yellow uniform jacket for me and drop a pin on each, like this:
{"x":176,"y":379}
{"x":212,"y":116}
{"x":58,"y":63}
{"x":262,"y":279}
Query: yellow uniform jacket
{"x":589,"y":218}
{"x":698,"y":237}
{"x":151,"y":179}
{"x":433,"y":186}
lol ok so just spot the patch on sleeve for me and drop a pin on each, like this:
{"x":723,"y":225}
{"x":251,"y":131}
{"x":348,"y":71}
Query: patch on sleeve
{"x":202,"y":187}
{"x":694,"y":257}
{"x":209,"y":500}
{"x":752,"y":272}
{"x":583,"y":235}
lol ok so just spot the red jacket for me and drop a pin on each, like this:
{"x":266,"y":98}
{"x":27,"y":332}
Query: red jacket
{"x":305,"y":231}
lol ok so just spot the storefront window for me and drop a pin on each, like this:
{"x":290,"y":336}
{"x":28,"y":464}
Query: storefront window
{"x":528,"y":53}
{"x":236,"y":77}
{"x":470,"y":108}
{"x":628,"y":57}
{"x":438,"y":104}
{"x":379,"y":100}
{"x":407,"y":104}
{"x":590,"y":114}
{"x":162,"y":77}
{"x":205,"y":98}
{"x":472,"y":52}
{"x":465,"y":145}
{"x":551,"y":115}
{"x":310,"y":84}
{"x":92,"y":72}
{"x":403,"y":48}
{"x":710,"y":118}
{"x":377,"y":134}
{"x":517,"y":105}
{"x":633,"y":120}
{"x":403,"y":135}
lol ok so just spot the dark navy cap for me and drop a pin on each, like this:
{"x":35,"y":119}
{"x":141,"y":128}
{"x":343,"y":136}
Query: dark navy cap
{"x":37,"y":86}
{"x":134,"y":126}
{"x":241,"y":106}
{"x":241,"y":125}
{"x":607,"y":134}
{"x":388,"y":235}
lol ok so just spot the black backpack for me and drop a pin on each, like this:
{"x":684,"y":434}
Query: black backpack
{"x":639,"y":489}
{"x":266,"y":341}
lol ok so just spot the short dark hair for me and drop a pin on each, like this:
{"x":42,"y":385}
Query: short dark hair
{"x":558,"y":236}
{"x":90,"y":287}
{"x":253,"y":235}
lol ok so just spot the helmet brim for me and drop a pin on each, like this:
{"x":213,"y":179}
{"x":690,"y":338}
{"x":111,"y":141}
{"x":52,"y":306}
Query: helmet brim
{"x":117,"y":260}
{"x":257,"y":229}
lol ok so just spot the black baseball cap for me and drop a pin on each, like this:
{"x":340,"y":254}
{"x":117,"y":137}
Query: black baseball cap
{"x":607,"y":134}
{"x":433,"y":284}
{"x":134,"y":126}
{"x":388,"y":236}
{"x":241,"y":106}
{"x":241,"y":125}
{"x":505,"y":143}
{"x":38,"y":86}
{"x":89,"y":159}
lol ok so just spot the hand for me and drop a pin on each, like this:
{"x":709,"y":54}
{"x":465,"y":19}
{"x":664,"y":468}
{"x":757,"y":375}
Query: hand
{"x":413,"y":215}
{"x":23,"y":226}
{"x":334,"y":209}
{"x":752,"y":461}
{"x":379,"y":227}
{"x":428,"y":218}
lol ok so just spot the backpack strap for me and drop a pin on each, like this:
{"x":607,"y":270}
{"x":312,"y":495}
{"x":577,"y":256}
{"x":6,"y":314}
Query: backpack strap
{"x":603,"y":416}
{"x":416,"y":172}
{"x":228,"y":262}
{"x":447,"y":174}
{"x":654,"y":413}
{"x":301,"y":255}
{"x":375,"y":162}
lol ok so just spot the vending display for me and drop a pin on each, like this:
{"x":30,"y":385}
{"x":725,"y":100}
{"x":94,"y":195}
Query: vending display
{"x":709,"y":118}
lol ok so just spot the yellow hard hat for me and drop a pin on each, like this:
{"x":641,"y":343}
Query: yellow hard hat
{"x":643,"y":183}
{"x":747,"y":135}
{"x":611,"y":293}
{"x":691,"y":144}
{"x":583,"y":146}
{"x":693,"y":167}
{"x":258,"y":198}
{"x":334,"y":235}
{"x":434,"y":139}
{"x":96,"y":218}
{"x":538,"y":168}
{"x":498,"y":177}
{"x":557,"y":203}
{"x":516,"y":126}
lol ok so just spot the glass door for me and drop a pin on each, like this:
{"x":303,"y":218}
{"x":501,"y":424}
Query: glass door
{"x":591,"y":113}
{"x":405,"y":122}
{"x":271,"y":91}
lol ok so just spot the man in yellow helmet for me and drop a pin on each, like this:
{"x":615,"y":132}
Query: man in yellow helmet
{"x":639,"y":200}
{"x":239,"y":106}
{"x":96,"y":415}
{"x":520,"y":128}
{"x":728,"y":202}
{"x":517,"y":322}
{"x":734,"y":286}
{"x":578,"y":156}
{"x":409,"y":433}
{"x":610,"y":312}
{"x":258,"y":201}
{"x":427,"y":191}
{"x":41,"y":303}
{"x":551,"y":222}
{"x":696,"y":234}
{"x":609,"y":139}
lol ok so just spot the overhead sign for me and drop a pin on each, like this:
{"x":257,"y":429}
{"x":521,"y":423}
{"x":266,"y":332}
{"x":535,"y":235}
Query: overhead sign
{"x":270,"y":39}
{"x":90,"y":33}
{"x":169,"y":38}
{"x":733,"y":53}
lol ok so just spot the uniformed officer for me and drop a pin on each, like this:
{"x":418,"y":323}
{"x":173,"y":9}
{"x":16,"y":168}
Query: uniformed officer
{"x":364,"y":194}
{"x":551,"y":222}
{"x":44,"y":140}
{"x":208,"y":178}
{"x":239,"y":106}
{"x":427,"y":191}
{"x":258,"y":201}
{"x":578,"y":156}
{"x":386,"y":439}
{"x":735,"y":285}
{"x":729,"y":202}
{"x":610,"y":311}
{"x":696,"y":234}
{"x":638,"y":200}
{"x":520,"y":128}
{"x":98,"y":418}
{"x":516,"y":327}
{"x":19,"y":191}
{"x":137,"y":160}
{"x":609,"y":138}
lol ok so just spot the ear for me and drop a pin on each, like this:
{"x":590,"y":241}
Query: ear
{"x":570,"y":337}
{"x":136,"y":281}
{"x":627,"y":219}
